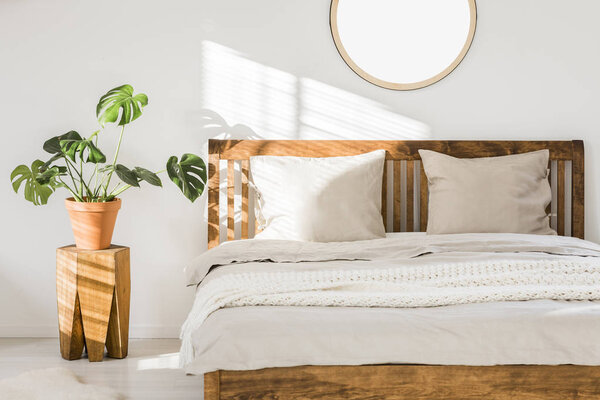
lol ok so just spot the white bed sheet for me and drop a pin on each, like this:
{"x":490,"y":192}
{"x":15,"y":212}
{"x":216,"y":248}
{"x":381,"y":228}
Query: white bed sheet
{"x":528,"y":332}
{"x":488,"y":333}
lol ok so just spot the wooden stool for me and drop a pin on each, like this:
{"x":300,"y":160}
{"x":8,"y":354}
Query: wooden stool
{"x":92,"y":288}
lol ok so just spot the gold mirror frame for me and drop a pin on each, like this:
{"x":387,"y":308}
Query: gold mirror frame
{"x":400,"y":86}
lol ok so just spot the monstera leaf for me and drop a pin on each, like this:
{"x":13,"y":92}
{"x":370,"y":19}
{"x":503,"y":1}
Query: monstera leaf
{"x":70,"y":148}
{"x":189,"y":174}
{"x":134,"y":176}
{"x":52,"y":145}
{"x":120,"y":98}
{"x":127,"y":175}
{"x":34,"y":191}
{"x":147,"y":176}
{"x":49,"y":175}
{"x":71,"y":143}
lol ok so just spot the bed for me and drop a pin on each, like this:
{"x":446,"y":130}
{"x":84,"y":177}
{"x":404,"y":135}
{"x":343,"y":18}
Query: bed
{"x":429,"y":373}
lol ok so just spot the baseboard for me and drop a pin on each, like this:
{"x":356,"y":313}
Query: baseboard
{"x":135,"y":331}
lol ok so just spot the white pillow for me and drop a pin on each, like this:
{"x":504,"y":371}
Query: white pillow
{"x":330,"y":199}
{"x":506,"y":194}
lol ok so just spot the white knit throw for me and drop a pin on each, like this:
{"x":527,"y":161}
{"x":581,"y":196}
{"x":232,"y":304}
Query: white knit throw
{"x":406,"y":286}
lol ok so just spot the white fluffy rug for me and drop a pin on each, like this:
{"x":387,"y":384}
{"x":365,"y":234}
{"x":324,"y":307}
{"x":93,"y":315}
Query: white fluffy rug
{"x":52,"y":384}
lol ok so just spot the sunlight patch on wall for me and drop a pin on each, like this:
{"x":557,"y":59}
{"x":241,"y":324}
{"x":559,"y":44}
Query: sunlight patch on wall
{"x":327,"y":112}
{"x":275,"y":104}
{"x":249,"y":93}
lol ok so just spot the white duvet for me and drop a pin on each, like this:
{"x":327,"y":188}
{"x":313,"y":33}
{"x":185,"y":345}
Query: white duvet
{"x":402,"y":271}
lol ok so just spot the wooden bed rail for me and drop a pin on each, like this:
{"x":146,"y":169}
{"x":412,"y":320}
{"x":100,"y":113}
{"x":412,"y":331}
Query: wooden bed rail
{"x":407,"y":382}
{"x":404,"y":194}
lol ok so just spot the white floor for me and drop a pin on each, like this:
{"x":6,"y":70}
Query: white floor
{"x":149,"y":371}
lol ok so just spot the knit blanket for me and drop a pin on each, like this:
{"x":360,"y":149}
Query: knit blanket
{"x":432,"y":271}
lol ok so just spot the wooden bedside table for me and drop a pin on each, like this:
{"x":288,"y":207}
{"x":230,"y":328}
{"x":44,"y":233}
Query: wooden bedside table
{"x":92,"y":288}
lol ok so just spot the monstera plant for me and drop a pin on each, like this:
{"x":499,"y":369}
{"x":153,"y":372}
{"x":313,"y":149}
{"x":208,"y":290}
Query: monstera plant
{"x":77,"y":164}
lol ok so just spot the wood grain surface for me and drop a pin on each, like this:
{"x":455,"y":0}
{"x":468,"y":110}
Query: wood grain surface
{"x":407,"y":382}
{"x":92,"y":289}
{"x":395,"y":149}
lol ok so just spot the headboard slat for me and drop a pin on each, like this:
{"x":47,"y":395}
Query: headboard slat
{"x":230,"y":199}
{"x":402,"y":196}
{"x":560,"y":198}
{"x":577,"y":190}
{"x":245,"y":214}
{"x":424,"y":190}
{"x":410,"y":196}
{"x":397,"y":196}
{"x":549,"y":207}
{"x":214,"y":221}
{"x":384,"y":198}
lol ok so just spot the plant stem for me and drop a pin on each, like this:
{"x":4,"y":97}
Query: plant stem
{"x":95,"y":168}
{"x":114,"y":160}
{"x":116,"y":192}
{"x":100,"y":187}
{"x":81,"y":180}
{"x":92,"y":177}
{"x":75,"y":195}
{"x":80,"y":175}
{"x":70,"y":173}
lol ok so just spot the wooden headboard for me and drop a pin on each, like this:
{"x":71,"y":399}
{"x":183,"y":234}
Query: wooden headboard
{"x":404,"y":196}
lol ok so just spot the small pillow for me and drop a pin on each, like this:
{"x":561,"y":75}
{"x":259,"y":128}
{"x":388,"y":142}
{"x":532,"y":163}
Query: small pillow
{"x":506,"y":194}
{"x":331,"y":199}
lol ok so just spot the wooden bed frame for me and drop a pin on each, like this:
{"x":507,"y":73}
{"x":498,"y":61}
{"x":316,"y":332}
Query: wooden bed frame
{"x":405,"y":184}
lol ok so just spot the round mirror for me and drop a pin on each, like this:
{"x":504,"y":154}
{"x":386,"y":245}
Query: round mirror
{"x":403,"y":44}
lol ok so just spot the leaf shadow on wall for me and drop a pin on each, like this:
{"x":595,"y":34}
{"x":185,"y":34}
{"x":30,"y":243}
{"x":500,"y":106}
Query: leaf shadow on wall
{"x":213,"y":125}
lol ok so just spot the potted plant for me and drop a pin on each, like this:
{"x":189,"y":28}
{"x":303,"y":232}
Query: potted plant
{"x":78,"y":165}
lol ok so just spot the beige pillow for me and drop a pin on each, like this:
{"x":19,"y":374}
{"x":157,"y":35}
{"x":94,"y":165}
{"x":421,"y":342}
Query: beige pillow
{"x":506,"y":194}
{"x":330,"y":199}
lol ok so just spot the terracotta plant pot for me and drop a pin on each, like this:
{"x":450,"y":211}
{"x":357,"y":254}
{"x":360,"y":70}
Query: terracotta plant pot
{"x":93,"y":223}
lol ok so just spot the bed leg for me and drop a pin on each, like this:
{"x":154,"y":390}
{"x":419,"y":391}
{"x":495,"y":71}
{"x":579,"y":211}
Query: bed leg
{"x":212,"y":385}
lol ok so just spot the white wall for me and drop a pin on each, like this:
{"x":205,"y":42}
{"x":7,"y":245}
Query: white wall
{"x":261,"y":68}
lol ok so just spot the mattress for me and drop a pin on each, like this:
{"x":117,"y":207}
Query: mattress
{"x":527,"y":332}
{"x":261,"y":305}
